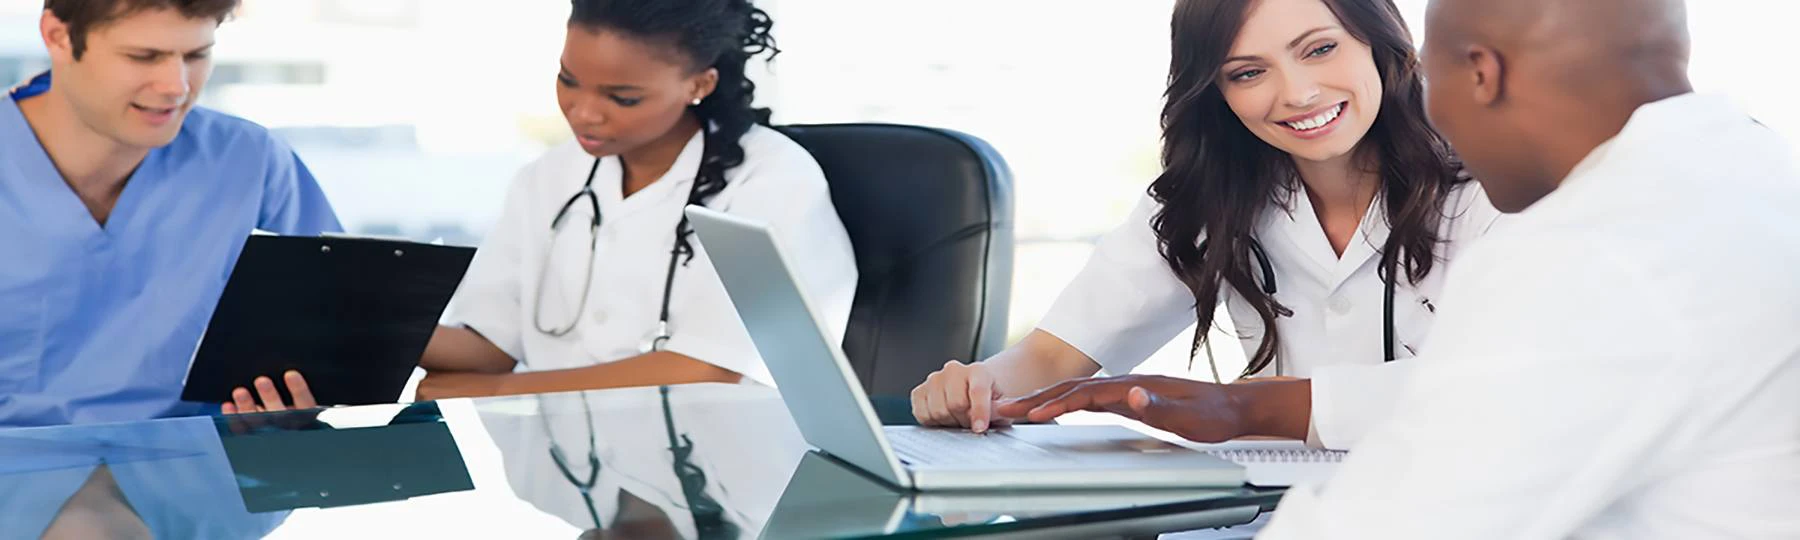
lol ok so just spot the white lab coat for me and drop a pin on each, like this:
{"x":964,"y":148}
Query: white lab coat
{"x":1621,"y":361}
{"x":743,"y":440}
{"x":1126,"y":303}
{"x":778,"y":183}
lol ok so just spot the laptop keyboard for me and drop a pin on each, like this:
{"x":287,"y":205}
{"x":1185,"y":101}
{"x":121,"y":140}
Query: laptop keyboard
{"x":923,"y":446}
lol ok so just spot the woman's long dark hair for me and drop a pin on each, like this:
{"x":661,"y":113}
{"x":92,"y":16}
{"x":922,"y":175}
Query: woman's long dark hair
{"x":1218,"y":177}
{"x":717,"y":34}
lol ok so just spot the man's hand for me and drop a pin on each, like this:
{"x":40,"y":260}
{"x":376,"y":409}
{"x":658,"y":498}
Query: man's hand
{"x":1197,"y":411}
{"x":243,"y":401}
{"x":455,"y":384}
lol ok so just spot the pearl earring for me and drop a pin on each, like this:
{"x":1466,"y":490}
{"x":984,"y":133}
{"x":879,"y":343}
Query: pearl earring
{"x":696,"y":101}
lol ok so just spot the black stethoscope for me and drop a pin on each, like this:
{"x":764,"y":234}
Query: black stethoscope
{"x":657,"y":338}
{"x":1387,"y":304}
{"x":585,"y":486}
{"x":709,"y":515}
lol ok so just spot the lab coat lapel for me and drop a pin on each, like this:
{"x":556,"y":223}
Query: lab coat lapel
{"x":674,"y":183}
{"x":1298,"y":223}
{"x":1300,"y":226}
{"x":1364,"y":248}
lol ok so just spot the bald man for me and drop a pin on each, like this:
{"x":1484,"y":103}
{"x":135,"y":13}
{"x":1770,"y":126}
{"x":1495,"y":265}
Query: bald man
{"x":1623,"y":360}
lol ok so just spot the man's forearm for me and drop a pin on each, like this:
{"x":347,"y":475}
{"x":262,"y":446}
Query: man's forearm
{"x":1275,"y":408}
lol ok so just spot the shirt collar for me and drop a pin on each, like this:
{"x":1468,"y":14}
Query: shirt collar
{"x":687,"y":165}
{"x":1593,"y":161}
{"x":678,"y":179}
{"x":1660,"y":118}
{"x":19,"y":145}
{"x":1647,"y":132}
{"x":37,"y":85}
{"x":681,"y":173}
{"x":1298,"y":220}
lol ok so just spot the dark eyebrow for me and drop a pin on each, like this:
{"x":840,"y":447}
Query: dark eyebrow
{"x":608,"y":88}
{"x":1243,"y":58}
{"x":160,"y":52}
{"x":1309,"y":33}
{"x":1291,"y":44}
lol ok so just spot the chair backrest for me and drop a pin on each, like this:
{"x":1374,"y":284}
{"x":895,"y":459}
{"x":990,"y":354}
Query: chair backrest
{"x":930,"y":214}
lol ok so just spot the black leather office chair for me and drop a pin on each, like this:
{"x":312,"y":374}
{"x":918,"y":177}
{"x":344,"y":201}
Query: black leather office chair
{"x":930,"y":214}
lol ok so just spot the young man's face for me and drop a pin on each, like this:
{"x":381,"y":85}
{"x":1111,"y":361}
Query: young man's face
{"x":139,"y":76}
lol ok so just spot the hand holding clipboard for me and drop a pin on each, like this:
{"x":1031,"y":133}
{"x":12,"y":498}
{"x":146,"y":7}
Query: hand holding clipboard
{"x":243,"y":401}
{"x":352,"y":314}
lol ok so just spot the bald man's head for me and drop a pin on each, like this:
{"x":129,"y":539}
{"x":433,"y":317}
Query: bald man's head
{"x":1524,"y":89}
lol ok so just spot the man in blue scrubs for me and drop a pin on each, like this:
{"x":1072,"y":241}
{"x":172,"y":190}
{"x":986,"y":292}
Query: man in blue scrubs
{"x":122,"y":210}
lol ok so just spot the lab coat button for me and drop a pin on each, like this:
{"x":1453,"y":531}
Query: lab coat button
{"x":1340,"y":305}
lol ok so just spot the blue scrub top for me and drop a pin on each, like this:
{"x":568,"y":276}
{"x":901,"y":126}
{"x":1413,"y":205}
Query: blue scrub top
{"x":174,"y":474}
{"x":99,"y":324}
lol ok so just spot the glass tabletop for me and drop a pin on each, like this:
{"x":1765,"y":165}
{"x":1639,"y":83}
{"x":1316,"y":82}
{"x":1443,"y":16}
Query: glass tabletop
{"x":700,"y":461}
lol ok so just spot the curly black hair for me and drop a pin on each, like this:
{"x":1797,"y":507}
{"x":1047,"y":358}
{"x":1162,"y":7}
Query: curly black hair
{"x":716,"y":34}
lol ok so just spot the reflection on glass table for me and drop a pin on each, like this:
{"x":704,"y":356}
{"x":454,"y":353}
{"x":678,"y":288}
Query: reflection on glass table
{"x":828,"y":498}
{"x":289,"y":460}
{"x":203,"y":477}
{"x":739,"y":468}
{"x":161,"y":479}
{"x":701,"y":461}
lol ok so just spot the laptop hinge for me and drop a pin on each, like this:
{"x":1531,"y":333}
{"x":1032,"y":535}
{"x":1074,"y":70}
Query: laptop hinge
{"x":866,"y":474}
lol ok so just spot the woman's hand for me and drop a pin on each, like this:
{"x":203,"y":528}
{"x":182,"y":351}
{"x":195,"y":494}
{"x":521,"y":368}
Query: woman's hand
{"x":960,"y":395}
{"x":439,"y":385}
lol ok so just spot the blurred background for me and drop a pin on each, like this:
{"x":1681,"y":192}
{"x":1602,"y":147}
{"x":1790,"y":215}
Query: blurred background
{"x":415,"y":114}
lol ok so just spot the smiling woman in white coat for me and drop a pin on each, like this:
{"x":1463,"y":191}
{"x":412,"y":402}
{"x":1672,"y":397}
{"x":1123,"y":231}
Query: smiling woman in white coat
{"x":1304,"y":190}
{"x":591,"y":278}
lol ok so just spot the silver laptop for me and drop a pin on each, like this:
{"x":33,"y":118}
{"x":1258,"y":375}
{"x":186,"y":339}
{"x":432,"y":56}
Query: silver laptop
{"x":825,"y":498}
{"x":827,"y":403}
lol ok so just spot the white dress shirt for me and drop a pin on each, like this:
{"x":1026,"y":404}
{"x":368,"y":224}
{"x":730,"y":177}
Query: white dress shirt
{"x":778,"y":183}
{"x":1621,"y":361}
{"x":1126,"y":303}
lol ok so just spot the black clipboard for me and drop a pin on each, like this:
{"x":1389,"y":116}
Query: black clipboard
{"x":351,"y":314}
{"x":289,"y":460}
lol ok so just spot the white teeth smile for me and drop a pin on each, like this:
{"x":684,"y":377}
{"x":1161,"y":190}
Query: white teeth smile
{"x":1316,"y":122}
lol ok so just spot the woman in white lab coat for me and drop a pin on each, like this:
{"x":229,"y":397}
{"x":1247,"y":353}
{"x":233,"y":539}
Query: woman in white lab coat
{"x":1300,"y":174}
{"x":592,"y":278}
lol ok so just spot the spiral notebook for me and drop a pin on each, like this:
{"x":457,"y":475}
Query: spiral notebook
{"x":1277,"y":463}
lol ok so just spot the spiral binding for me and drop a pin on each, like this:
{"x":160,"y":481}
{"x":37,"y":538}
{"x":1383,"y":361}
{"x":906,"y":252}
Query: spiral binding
{"x":1280,"y":456}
